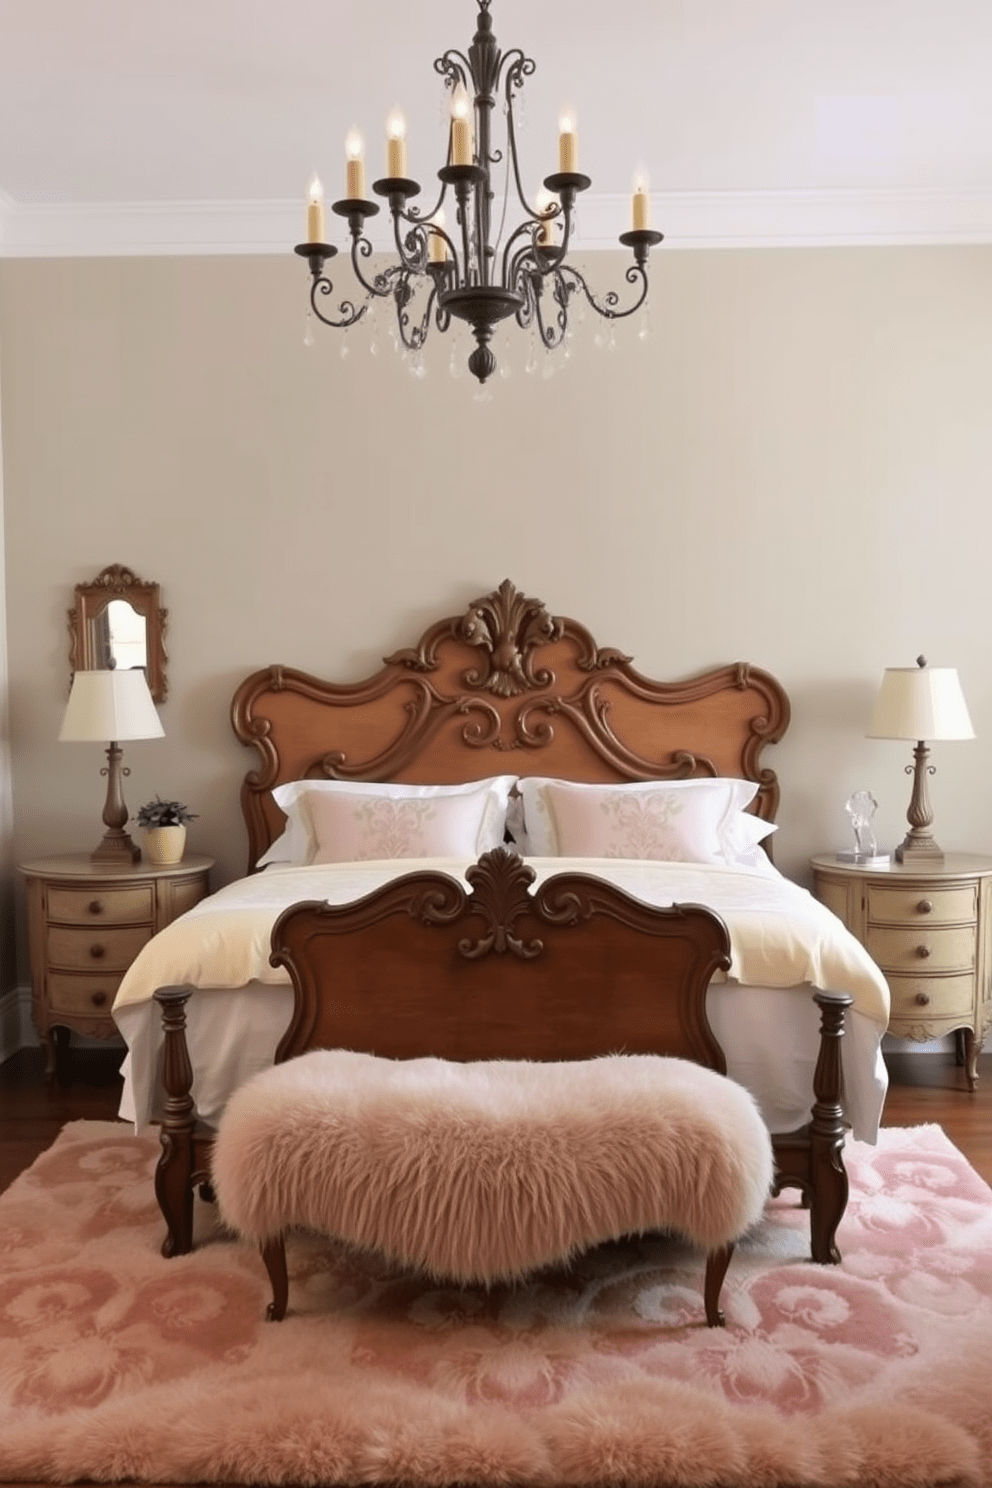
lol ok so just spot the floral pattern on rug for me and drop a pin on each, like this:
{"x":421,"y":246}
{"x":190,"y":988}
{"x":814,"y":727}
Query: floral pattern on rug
{"x":111,"y":1355}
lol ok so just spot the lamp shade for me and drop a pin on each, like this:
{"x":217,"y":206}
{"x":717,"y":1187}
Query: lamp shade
{"x":920,"y":702}
{"x":110,"y":706}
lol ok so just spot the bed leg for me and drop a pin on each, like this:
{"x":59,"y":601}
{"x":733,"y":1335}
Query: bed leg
{"x":274,"y":1256}
{"x":828,"y":1176}
{"x":717,"y":1262}
{"x":174,"y":1173}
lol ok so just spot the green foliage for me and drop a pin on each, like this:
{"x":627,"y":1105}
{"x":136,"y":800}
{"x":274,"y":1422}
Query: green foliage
{"x":159,"y":813}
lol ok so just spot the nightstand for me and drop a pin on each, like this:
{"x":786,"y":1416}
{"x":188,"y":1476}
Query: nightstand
{"x":929,"y":928}
{"x":86,"y":923}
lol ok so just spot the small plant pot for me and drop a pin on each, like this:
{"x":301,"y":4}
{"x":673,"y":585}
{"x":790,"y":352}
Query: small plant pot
{"x":165,"y":845}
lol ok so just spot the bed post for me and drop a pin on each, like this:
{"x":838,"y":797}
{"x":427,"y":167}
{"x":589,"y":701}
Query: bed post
{"x":174,"y":1174}
{"x":827,"y":1172}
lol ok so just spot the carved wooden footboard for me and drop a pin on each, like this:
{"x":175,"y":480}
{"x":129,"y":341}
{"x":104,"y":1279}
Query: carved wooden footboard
{"x":574,"y":970}
{"x":506,"y":687}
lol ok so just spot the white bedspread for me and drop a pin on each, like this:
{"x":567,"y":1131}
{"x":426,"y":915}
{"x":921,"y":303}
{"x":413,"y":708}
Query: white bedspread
{"x":781,"y":938}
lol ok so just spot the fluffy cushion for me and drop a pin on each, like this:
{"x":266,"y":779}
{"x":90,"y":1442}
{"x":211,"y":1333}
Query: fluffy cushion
{"x":483,"y":1172}
{"x":677,"y":821}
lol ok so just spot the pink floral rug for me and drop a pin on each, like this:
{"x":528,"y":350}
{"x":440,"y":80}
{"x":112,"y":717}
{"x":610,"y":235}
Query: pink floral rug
{"x":116,"y":1364}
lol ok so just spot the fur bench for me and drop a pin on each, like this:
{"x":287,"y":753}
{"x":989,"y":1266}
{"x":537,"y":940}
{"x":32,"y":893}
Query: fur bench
{"x":480,"y":1173}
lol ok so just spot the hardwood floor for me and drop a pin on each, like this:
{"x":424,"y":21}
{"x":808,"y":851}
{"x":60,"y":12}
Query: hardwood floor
{"x":924,"y":1088}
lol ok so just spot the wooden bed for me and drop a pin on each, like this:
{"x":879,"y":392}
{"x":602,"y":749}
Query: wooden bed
{"x":575,"y":970}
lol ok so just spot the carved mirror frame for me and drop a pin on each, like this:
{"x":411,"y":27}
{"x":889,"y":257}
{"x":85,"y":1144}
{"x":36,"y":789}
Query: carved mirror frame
{"x":92,"y":600}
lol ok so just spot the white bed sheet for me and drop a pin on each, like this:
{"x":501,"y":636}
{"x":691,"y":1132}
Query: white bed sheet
{"x":769,"y":1033}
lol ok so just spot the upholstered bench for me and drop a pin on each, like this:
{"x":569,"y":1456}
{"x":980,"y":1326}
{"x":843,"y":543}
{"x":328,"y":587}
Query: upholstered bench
{"x":480,"y":1173}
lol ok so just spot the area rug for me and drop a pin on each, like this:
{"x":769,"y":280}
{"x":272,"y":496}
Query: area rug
{"x":118,"y":1365}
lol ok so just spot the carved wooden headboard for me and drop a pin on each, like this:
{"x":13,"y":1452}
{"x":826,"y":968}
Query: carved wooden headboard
{"x":505,"y":688}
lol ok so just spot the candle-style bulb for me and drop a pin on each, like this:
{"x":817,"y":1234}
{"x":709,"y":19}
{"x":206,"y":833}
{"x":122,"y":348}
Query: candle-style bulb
{"x":641,"y":204}
{"x":315,"y":211}
{"x":459,"y":102}
{"x":568,"y":150}
{"x":396,"y":144}
{"x":354,"y":166}
{"x":461,"y":126}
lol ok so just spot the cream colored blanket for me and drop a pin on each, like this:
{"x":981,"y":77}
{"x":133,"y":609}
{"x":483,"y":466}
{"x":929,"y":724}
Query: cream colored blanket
{"x":780,"y":935}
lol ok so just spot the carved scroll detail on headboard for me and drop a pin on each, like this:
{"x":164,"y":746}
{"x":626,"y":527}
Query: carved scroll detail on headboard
{"x":507,"y":626}
{"x":504,"y":686}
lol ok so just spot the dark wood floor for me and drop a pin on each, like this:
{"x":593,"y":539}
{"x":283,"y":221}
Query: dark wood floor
{"x":924,"y":1088}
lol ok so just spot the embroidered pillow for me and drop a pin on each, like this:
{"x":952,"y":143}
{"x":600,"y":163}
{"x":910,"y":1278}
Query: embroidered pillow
{"x":354,"y":828}
{"x":689,"y":821}
{"x":473,"y":823}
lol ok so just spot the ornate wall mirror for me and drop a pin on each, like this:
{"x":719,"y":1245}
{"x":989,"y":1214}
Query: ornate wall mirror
{"x":118,"y":621}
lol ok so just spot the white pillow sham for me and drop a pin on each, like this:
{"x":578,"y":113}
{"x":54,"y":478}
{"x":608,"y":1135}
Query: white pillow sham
{"x":689,"y":821}
{"x":476,"y":822}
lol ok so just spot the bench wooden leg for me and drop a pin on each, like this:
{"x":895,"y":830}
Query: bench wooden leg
{"x":717,"y":1262}
{"x":274,"y":1256}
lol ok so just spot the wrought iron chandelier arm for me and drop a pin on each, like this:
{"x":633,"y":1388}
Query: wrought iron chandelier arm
{"x":379,"y":286}
{"x":347,"y":309}
{"x":552,"y":336}
{"x":410,"y":246}
{"x":608,"y":309}
{"x":521,"y":68}
{"x":523,"y":230}
{"x":412,"y":334}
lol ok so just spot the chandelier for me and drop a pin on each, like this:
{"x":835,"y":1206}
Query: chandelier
{"x":471,"y":273}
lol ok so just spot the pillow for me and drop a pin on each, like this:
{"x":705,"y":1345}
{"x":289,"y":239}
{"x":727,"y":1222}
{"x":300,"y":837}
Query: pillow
{"x":689,"y":821}
{"x":744,"y":838}
{"x":475,"y":822}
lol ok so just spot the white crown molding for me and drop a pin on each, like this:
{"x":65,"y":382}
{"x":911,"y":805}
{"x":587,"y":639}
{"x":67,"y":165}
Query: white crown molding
{"x":690,"y":219}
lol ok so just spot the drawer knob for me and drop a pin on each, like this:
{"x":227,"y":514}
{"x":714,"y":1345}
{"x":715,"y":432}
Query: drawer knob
{"x":923,"y":998}
{"x":925,"y":906}
{"x":99,"y":998}
{"x":96,"y":906}
{"x":923,"y":951}
{"x":97,"y":952}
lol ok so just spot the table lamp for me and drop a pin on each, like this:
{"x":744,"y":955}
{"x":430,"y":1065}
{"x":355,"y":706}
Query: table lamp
{"x":112,"y":706}
{"x":920,"y":703}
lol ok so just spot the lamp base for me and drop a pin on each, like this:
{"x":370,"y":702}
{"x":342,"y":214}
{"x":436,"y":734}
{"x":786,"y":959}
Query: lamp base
{"x":116,"y":847}
{"x":920,"y":849}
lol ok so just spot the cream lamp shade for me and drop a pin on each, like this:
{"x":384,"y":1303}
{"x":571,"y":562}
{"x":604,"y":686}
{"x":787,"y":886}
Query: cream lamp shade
{"x":108,"y":707}
{"x":920,"y":703}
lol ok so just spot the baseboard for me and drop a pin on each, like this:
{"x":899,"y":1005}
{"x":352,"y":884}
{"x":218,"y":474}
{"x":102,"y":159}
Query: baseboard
{"x":16,"y":1029}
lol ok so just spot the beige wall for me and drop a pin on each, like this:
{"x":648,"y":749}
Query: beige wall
{"x":7,"y":871}
{"x":795,"y":469}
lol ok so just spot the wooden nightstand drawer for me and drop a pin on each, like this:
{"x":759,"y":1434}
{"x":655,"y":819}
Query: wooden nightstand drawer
{"x":928,"y":925}
{"x":88,"y":906}
{"x":87,"y":920}
{"x":110,"y":946}
{"x":917,"y":999}
{"x":896,"y":906}
{"x":93,"y":995}
{"x":922,"y":949}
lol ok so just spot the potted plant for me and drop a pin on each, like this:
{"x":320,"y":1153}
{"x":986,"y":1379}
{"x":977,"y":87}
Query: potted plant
{"x":164,"y":824}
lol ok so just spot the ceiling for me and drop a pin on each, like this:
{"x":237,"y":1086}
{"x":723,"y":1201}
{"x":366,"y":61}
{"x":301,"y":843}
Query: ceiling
{"x":194,"y":125}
